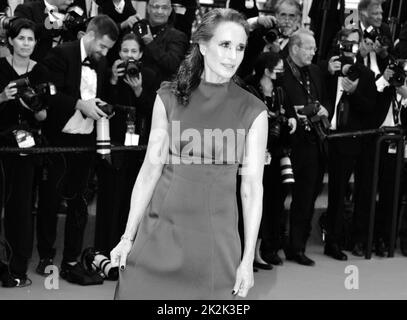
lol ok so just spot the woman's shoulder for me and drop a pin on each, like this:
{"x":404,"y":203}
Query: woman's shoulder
{"x":249,"y":100}
{"x":249,"y":107}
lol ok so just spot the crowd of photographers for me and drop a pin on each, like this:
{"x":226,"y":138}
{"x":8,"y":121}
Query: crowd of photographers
{"x":101,"y":64}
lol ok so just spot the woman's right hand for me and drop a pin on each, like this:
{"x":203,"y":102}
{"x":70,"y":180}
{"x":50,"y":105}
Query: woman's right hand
{"x":116,"y":72}
{"x":8,"y":93}
{"x":118,"y":255}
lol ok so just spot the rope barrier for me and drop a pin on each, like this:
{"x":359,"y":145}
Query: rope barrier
{"x":44,"y":150}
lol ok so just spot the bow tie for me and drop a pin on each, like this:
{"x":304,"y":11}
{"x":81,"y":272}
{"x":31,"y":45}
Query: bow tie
{"x":88,"y":63}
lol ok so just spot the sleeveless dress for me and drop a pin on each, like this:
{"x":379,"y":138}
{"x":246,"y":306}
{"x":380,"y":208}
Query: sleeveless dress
{"x":187,"y":245}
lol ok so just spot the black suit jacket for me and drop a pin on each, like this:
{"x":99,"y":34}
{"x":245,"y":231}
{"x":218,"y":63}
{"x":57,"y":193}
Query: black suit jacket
{"x":35,"y":11}
{"x":165,"y":53}
{"x":65,"y":70}
{"x":362,"y":107}
{"x":383,"y":98}
{"x":296,"y":95}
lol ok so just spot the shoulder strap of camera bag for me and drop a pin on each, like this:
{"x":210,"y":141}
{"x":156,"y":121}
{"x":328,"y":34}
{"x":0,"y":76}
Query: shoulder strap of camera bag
{"x":297,"y":75}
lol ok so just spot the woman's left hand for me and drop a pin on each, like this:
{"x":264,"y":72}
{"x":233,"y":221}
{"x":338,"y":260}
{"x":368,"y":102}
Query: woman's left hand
{"x":135,"y":83}
{"x":244,"y":279}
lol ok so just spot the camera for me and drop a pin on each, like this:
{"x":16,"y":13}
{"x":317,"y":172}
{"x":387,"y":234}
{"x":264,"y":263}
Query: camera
{"x":374,"y":34}
{"x":34,"y":96}
{"x":75,"y":19}
{"x":271,"y":35}
{"x":140,"y":28}
{"x":347,"y":56}
{"x":132,"y":67}
{"x":399,"y":67}
{"x":103,"y":130}
{"x":95,"y":261}
{"x":5,"y":21}
{"x":320,"y":124}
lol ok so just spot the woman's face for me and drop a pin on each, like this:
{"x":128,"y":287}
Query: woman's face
{"x":224,"y":52}
{"x":23,"y":45}
{"x":278,"y":69}
{"x":130,"y":49}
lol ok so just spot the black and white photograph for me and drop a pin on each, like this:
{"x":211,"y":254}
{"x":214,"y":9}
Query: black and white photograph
{"x":203,"y":157}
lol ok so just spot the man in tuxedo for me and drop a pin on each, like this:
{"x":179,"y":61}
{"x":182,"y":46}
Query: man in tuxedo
{"x":304,"y":86}
{"x":271,"y":33}
{"x":375,"y":54}
{"x":165,"y":46}
{"x":78,"y":70}
{"x":351,"y":91}
{"x":49,"y":34}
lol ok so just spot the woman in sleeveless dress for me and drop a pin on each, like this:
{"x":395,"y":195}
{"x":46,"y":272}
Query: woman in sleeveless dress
{"x":181,"y":240}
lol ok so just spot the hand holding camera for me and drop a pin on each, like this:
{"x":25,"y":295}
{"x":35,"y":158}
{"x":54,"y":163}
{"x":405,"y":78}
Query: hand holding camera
{"x":267,"y":21}
{"x":118,"y":70}
{"x":91,"y":109}
{"x":349,"y":86}
{"x":388,"y":74}
{"x":8,"y":93}
{"x":334,"y":65}
{"x":129,"y":23}
{"x":380,"y":49}
{"x":135,"y":83}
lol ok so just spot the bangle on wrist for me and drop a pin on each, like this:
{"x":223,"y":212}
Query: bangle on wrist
{"x":123,"y":237}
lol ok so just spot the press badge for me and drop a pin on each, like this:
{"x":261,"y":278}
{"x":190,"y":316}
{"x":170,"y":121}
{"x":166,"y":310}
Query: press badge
{"x":392,"y":149}
{"x":267,"y":160}
{"x":24,"y":138}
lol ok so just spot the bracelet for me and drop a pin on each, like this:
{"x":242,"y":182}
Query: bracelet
{"x":123,"y":237}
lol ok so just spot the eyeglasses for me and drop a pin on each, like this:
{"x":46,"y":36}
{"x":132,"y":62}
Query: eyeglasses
{"x":310,"y":49}
{"x":157,"y":7}
{"x":285,"y":16}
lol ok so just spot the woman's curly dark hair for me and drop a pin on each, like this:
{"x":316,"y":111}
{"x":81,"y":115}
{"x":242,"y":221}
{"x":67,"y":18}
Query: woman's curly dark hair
{"x":190,"y":71}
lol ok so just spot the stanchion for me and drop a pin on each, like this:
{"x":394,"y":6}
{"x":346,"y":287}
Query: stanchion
{"x":387,"y":134}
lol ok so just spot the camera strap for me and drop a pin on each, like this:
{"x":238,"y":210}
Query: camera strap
{"x":297,"y":75}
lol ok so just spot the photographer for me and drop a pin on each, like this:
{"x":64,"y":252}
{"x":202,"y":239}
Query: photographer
{"x":19,"y":126}
{"x":304,"y":85}
{"x":271,"y":33}
{"x":352,"y":91}
{"x":165,"y":46}
{"x":121,"y":11}
{"x":266,"y":85}
{"x":78,"y":70}
{"x":131,"y":85}
{"x":49,"y":25}
{"x":375,"y":52}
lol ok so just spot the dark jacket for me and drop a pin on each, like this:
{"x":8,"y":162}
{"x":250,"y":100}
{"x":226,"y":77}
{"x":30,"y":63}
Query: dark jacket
{"x":166,"y":52}
{"x":361,"y":108}
{"x":296,"y":95}
{"x":65,"y":69}
{"x":12,"y":114}
{"x":122,"y":94}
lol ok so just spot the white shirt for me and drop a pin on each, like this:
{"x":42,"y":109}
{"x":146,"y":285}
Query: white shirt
{"x":119,"y":7}
{"x":77,"y":124}
{"x":91,"y":8}
{"x":339,"y":92}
